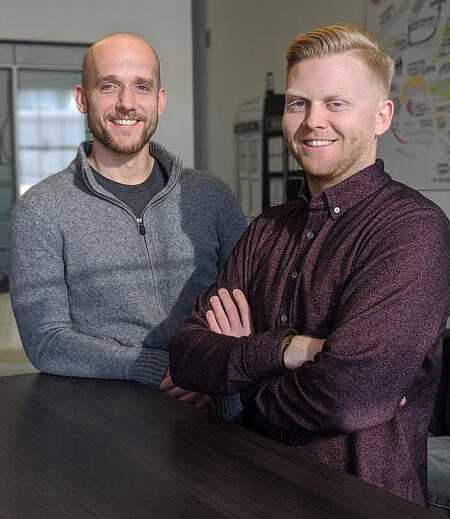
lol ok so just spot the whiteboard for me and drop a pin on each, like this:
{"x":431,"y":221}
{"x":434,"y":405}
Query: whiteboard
{"x":416,"y":150}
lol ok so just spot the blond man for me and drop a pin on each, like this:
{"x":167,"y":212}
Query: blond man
{"x":348,"y":289}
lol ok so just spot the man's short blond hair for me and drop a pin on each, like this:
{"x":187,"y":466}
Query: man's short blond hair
{"x":329,"y":40}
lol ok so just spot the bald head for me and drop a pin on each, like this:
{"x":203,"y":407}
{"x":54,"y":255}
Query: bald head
{"x":116,"y":47}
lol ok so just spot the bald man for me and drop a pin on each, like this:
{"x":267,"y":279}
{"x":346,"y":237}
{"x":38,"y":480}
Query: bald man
{"x":107,"y":255}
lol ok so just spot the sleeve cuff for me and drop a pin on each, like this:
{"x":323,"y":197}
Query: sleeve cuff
{"x":228,"y":407}
{"x":150,"y":367}
{"x":264,"y":354}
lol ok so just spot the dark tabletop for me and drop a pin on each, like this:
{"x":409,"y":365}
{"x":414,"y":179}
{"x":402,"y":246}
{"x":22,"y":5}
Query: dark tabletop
{"x":92,"y":448}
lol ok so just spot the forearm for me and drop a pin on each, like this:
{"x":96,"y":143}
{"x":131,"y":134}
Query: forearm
{"x":63,"y":351}
{"x":358,"y":381}
{"x":328,"y":397}
{"x":208,"y":362}
{"x":223,"y":338}
{"x":296,"y":349}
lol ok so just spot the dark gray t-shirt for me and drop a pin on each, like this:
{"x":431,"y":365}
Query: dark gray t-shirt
{"x":138,"y":196}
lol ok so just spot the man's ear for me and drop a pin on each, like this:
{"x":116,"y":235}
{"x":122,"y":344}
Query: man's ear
{"x":80,"y":99}
{"x":162,"y":98}
{"x":383,"y":120}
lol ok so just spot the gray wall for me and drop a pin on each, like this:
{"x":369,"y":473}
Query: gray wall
{"x":166,"y":24}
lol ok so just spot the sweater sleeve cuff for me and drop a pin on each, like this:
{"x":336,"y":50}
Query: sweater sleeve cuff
{"x":150,"y":367}
{"x":228,"y":407}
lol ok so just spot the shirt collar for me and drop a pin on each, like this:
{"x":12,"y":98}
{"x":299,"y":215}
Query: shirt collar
{"x":343,"y":196}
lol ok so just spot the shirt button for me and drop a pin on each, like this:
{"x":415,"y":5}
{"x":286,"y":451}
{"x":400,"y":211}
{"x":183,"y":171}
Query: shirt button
{"x":294,"y":275}
{"x":337,"y":210}
{"x":283,"y":318}
{"x":310,"y":235}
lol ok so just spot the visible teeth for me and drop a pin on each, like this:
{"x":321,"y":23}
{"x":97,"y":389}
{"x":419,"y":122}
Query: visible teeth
{"x":319,"y":142}
{"x":125,"y":122}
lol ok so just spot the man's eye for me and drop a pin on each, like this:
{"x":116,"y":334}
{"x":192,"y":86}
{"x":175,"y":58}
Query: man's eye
{"x":335,"y":105}
{"x":298,"y":104}
{"x":107,"y":86}
{"x":143,"y":88}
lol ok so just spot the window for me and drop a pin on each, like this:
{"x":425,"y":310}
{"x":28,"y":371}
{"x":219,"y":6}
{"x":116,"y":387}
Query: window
{"x":49,"y":126}
{"x":40,"y":127}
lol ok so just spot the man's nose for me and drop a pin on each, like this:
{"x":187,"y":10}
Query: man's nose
{"x":126,"y":99}
{"x":316,"y":117}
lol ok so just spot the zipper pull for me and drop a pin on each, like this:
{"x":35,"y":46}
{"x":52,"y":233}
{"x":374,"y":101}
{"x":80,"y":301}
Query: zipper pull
{"x":141,"y":226}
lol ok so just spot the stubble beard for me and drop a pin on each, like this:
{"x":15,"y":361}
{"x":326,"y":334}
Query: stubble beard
{"x":337,"y":170}
{"x":101,"y":133}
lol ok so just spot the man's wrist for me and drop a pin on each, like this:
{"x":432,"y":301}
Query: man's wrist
{"x":297,"y":349}
{"x":286,"y":341}
{"x":294,"y":352}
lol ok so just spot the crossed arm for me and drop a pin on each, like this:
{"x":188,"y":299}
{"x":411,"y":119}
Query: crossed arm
{"x":365,"y":368}
{"x":231,"y":315}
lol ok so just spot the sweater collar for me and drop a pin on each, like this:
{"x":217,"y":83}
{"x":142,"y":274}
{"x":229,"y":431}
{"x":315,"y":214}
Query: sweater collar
{"x":172,"y":164}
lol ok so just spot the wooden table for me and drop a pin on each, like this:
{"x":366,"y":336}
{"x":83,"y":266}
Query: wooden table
{"x":92,"y":448}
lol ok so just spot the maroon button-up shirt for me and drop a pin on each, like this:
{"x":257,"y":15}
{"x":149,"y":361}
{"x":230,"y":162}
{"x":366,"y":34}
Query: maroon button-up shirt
{"x":365,"y":265}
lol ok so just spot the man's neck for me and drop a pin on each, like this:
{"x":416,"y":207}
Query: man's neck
{"x":123,"y":168}
{"x":317,"y":184}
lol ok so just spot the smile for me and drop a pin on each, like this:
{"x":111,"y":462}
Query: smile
{"x":125,"y":122}
{"x":317,"y":142}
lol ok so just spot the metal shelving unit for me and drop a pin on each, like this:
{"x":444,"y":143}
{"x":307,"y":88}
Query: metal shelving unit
{"x":267,"y":174}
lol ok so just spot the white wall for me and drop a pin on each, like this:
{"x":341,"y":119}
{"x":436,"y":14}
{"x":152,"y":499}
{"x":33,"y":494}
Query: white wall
{"x":249,"y":38}
{"x":165,"y":24}
{"x":9,"y":334}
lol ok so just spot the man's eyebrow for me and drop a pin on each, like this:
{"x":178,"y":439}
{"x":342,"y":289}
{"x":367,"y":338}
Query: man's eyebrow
{"x":331,"y":95}
{"x":111,"y":77}
{"x":294,"y":93}
{"x":115,"y":79}
{"x":147,"y":81}
{"x":338,"y":95}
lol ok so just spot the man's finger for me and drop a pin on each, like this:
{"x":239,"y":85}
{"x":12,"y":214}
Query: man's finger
{"x":231,"y":310}
{"x":221,"y":316}
{"x":211,"y":407}
{"x":166,"y":382}
{"x":212,"y":322}
{"x":190,"y":397}
{"x":204,"y":401}
{"x":176,"y":392}
{"x":244,"y":309}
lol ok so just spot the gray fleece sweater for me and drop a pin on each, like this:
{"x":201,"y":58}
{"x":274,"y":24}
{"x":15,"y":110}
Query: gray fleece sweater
{"x":97,"y":292}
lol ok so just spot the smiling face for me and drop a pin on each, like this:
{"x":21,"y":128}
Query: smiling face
{"x":121,"y":94}
{"x":334,"y":112}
